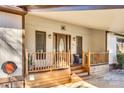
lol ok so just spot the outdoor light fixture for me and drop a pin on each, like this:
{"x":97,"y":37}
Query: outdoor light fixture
{"x":49,"y":36}
{"x":63,"y":27}
{"x":74,"y":38}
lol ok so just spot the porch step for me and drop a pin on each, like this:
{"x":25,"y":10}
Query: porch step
{"x":46,"y":80}
{"x":76,"y":67}
{"x":79,"y":70}
{"x":49,"y":79}
{"x":51,"y":83}
{"x":82,"y":74}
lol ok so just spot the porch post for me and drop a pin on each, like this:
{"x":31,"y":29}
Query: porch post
{"x":26,"y":63}
{"x":83,"y":58}
{"x":88,"y":62}
{"x":69,"y":62}
{"x":69,"y":52}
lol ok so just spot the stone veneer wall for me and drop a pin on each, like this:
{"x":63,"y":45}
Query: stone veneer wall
{"x":99,"y":70}
{"x":18,"y":84}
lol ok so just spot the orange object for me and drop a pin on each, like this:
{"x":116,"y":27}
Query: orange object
{"x":9,"y":68}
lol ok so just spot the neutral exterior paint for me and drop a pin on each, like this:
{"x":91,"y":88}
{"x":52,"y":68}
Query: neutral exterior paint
{"x":91,"y":38}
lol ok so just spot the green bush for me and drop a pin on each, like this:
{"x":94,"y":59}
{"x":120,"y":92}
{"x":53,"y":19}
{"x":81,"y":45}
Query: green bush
{"x":120,"y":60}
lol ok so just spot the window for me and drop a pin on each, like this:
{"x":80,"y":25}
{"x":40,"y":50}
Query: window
{"x":41,"y":41}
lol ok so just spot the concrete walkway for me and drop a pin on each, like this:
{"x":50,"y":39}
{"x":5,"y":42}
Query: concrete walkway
{"x":79,"y":84}
{"x":113,"y":79}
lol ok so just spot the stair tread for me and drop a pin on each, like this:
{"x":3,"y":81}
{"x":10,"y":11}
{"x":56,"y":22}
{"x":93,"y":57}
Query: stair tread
{"x":45,"y":80}
{"x":76,"y":68}
{"x":80,"y":70}
{"x":50,"y":85}
{"x":54,"y":83}
{"x":43,"y":75}
{"x":50,"y":82}
{"x":82,"y":74}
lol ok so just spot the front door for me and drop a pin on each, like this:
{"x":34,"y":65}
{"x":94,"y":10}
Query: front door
{"x":79,"y":45}
{"x":62,"y":42}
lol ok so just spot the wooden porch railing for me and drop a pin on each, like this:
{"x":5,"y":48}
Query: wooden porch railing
{"x":99,"y":58}
{"x":94,"y":58}
{"x":86,"y":61}
{"x":44,"y":61}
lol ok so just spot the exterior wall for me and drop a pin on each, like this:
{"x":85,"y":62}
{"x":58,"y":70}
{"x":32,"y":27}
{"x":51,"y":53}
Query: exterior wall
{"x":91,"y":38}
{"x":111,"y":46}
{"x":34,"y":23}
{"x":11,"y":41}
{"x":8,"y":20}
{"x":97,"y":43}
{"x":99,"y":70}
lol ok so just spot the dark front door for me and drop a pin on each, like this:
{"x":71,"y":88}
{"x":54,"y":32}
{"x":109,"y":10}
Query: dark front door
{"x":79,"y":45}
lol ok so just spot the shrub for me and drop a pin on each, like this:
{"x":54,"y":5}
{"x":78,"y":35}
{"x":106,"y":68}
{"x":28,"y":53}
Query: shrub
{"x":120,"y":60}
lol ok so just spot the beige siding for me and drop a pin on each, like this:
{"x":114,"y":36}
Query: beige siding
{"x":34,"y":23}
{"x":97,"y":41}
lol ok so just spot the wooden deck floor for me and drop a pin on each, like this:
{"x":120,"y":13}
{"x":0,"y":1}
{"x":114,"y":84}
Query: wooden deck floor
{"x":48,"y":79}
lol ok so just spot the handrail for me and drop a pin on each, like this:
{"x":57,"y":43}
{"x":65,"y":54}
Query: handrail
{"x":43,"y":61}
{"x":98,"y":52}
{"x":99,"y":57}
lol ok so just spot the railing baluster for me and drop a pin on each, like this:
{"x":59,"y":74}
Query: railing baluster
{"x":55,"y":64}
{"x":58,"y":60}
{"x":33,"y":60}
{"x":54,"y":60}
{"x":36,"y":62}
{"x":65,"y":63}
{"x":50,"y":60}
{"x":47,"y":60}
{"x":38,"y":67}
{"x":66,"y":59}
{"x":62,"y":59}
{"x":42,"y":61}
{"x":69,"y":58}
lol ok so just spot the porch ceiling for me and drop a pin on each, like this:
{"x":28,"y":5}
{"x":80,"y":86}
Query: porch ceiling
{"x":110,"y":19}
